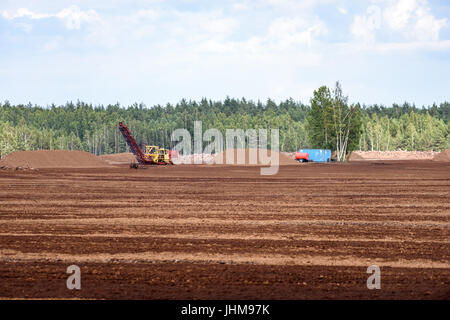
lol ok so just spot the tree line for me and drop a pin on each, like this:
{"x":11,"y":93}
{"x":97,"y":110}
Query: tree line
{"x":328,"y":121}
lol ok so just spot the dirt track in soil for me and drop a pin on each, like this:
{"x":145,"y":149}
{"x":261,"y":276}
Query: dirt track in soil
{"x":225,"y":232}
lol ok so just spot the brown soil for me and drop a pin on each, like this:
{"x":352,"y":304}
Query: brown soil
{"x":52,"y":159}
{"x":290,"y":155}
{"x":225,"y":232}
{"x":355,"y":156}
{"x":392,"y":155}
{"x":444,"y":156}
{"x":119,"y":158}
{"x":284,"y":159}
{"x":126,"y":158}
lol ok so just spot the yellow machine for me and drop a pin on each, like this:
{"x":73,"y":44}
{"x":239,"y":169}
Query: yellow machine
{"x":157,"y":154}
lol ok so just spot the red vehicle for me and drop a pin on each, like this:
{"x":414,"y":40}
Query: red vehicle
{"x":302,"y":156}
{"x":313,"y":155}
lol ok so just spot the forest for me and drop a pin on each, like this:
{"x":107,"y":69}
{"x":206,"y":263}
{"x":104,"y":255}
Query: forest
{"x":94,"y":128}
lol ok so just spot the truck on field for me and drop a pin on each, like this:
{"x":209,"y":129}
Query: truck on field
{"x":313,"y":155}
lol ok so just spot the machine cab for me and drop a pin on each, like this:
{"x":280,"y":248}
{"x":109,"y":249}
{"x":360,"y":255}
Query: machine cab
{"x":151,"y":150}
{"x":157,"y":154}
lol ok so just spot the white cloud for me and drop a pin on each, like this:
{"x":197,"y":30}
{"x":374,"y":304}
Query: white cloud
{"x":72,"y":16}
{"x":398,"y":15}
{"x":240,"y":6}
{"x":296,"y":4}
{"x":342,"y":10}
{"x":195,"y":28}
{"x":24,"y":12}
{"x":147,"y":14}
{"x":427,"y":27}
{"x":52,"y":44}
{"x":26,"y":27}
{"x":442,"y":45}
{"x":401,"y":47}
{"x":364,"y":27}
{"x":290,"y":31}
{"x":412,"y":20}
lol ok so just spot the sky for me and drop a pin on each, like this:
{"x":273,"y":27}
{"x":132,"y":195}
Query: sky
{"x":161,"y":51}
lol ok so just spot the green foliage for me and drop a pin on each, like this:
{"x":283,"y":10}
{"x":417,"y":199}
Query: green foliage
{"x":82,"y":126}
{"x":332,"y":123}
{"x":318,"y":121}
{"x":411,"y":131}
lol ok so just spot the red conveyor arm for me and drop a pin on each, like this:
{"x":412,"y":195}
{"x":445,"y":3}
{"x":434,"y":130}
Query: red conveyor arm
{"x":140,"y":157}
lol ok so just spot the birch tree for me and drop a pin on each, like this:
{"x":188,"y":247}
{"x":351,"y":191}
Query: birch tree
{"x":345,"y":122}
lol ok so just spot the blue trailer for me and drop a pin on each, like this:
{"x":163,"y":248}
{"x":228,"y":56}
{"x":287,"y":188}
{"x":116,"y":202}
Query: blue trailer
{"x":316,"y":155}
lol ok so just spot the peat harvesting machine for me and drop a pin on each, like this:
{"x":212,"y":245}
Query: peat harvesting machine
{"x":152,"y":155}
